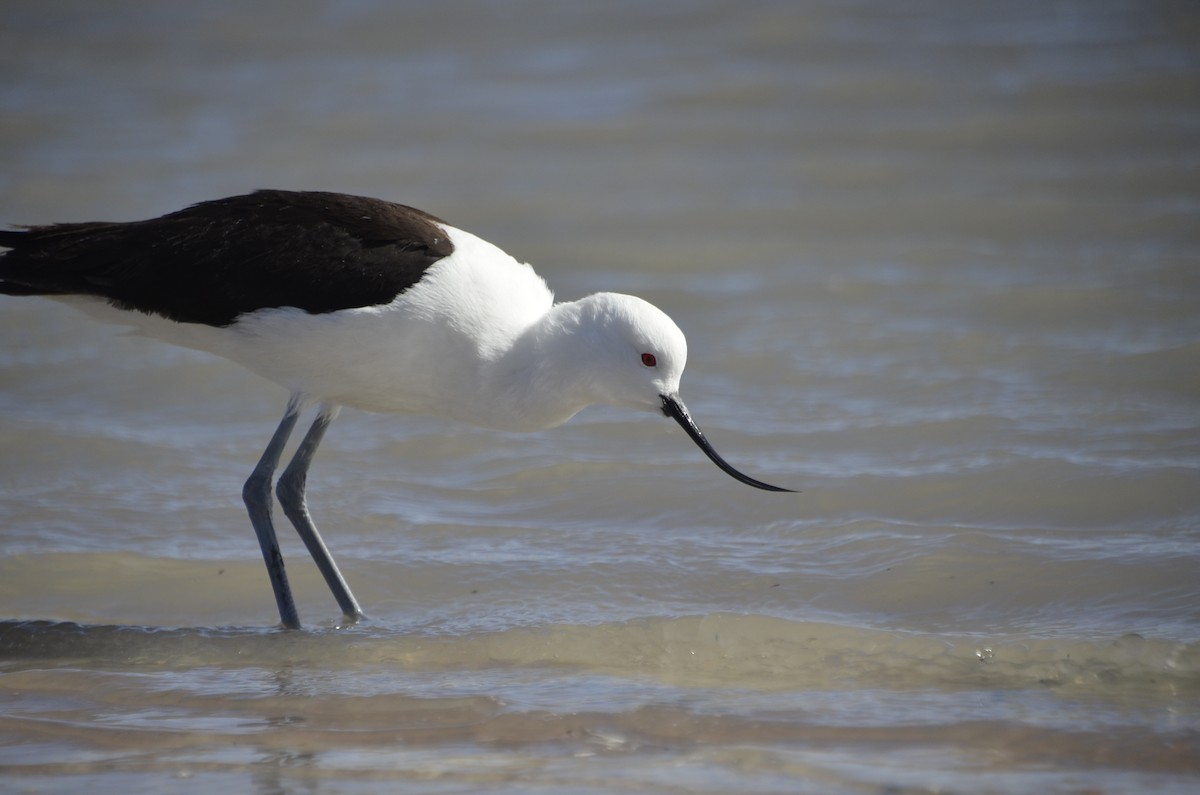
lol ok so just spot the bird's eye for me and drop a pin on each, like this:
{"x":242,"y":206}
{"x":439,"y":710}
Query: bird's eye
{"x":649,"y":360}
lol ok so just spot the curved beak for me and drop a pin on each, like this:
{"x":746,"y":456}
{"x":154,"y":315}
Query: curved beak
{"x":673,"y":407}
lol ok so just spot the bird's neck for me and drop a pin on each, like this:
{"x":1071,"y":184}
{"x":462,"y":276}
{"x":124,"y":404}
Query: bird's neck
{"x":543,"y":378}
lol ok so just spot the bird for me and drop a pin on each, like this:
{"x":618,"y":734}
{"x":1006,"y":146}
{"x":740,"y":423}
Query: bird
{"x":350,"y":301}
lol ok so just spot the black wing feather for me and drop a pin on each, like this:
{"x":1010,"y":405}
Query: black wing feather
{"x":216,"y":260}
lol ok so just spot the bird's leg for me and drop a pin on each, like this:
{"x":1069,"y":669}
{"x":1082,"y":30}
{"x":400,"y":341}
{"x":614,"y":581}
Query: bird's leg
{"x":290,"y":491}
{"x":257,"y":496}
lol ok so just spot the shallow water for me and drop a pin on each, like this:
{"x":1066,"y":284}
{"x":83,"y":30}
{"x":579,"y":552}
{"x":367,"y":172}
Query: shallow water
{"x":938,"y":268}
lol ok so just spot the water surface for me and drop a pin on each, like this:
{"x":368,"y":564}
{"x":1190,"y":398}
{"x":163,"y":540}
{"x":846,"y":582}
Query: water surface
{"x":938,"y":266}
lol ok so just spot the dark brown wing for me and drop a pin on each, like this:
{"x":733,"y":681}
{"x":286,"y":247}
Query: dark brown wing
{"x":216,"y":260}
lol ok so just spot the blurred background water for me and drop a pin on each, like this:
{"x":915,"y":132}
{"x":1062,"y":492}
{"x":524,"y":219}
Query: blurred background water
{"x":938,"y":267}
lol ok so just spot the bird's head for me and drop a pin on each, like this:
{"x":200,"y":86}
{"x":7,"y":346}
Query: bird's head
{"x":638,"y":358}
{"x":636,"y":354}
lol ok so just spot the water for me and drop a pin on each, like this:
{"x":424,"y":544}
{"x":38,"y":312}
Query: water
{"x":938,"y":267}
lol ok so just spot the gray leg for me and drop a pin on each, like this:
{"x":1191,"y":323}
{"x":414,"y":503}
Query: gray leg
{"x":257,"y":496}
{"x":290,"y":491}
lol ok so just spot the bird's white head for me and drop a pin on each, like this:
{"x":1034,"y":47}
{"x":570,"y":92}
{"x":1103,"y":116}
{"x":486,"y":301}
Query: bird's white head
{"x":636,"y":354}
{"x":618,"y":350}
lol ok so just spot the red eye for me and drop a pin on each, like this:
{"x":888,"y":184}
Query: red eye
{"x":649,"y":360}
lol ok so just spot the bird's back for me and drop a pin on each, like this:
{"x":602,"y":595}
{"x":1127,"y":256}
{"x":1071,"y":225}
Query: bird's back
{"x":215,"y":261}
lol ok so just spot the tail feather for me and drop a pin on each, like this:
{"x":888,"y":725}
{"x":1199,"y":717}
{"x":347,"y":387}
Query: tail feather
{"x":11,"y":238}
{"x":44,"y":260}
